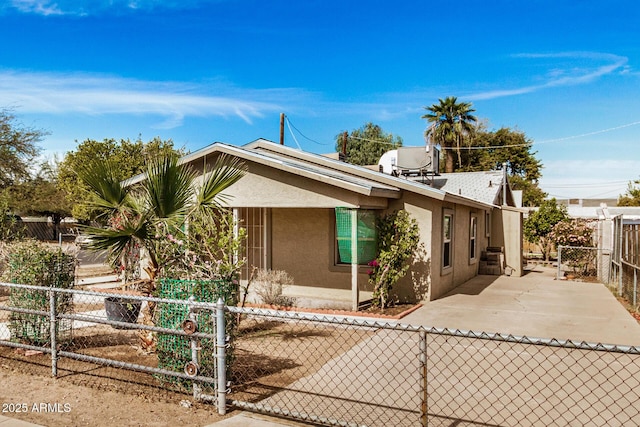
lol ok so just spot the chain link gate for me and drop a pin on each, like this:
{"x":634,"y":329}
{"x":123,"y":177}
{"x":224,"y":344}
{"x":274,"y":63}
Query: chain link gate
{"x":586,"y":264}
{"x":86,"y":326}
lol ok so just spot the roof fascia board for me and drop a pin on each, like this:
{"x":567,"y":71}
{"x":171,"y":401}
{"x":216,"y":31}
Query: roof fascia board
{"x":453,"y":198}
{"x":348,"y":168}
{"x":256,"y":157}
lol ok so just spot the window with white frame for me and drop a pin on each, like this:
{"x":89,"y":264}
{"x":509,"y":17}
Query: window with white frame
{"x":447,"y":240}
{"x":473,"y":238}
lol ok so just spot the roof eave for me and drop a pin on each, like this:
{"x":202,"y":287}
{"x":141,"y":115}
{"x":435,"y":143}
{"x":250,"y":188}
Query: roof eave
{"x":244,"y":154}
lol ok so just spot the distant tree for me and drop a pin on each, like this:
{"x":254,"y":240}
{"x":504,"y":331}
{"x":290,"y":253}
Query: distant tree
{"x":367,"y":144}
{"x":40,"y":195}
{"x":532,"y":194}
{"x":452,"y":122}
{"x":572,"y":232}
{"x":632,"y":196}
{"x":539,"y":225}
{"x":131,"y":158}
{"x":18,"y":148}
{"x":11,"y":227}
{"x":511,"y":148}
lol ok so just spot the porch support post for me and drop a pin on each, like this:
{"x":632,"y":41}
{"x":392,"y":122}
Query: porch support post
{"x":236,"y":231}
{"x":355,"y":296}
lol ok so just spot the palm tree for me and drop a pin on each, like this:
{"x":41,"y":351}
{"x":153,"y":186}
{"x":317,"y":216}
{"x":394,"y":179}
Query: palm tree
{"x":450,"y":122}
{"x":165,"y":200}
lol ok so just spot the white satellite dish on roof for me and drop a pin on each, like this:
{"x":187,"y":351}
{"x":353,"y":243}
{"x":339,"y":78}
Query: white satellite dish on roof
{"x":421,"y":160}
{"x":388,"y":161}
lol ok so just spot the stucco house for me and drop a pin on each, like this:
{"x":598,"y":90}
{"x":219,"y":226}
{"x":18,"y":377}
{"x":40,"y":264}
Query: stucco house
{"x":287,"y":202}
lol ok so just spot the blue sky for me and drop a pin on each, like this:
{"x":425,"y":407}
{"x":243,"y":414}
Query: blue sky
{"x":567,"y":73}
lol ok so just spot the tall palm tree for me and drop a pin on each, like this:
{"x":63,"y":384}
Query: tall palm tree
{"x":450,"y":122}
{"x":164,"y":200}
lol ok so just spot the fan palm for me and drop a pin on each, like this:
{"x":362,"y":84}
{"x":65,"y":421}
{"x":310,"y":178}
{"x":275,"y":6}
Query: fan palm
{"x":165,"y":200}
{"x":451,"y":122}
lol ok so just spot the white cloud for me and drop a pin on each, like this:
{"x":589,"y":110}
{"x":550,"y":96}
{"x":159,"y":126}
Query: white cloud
{"x":601,"y":64}
{"x":95,"y":95}
{"x":39,"y":7}
{"x":93,"y":7}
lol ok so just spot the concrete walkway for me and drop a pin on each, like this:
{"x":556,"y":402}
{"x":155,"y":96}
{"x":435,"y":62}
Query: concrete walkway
{"x":534,"y":305}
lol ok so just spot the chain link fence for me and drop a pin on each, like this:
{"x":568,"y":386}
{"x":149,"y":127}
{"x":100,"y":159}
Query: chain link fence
{"x":586,"y":264}
{"x":343,"y":372}
{"x":626,"y":263}
{"x":327,"y":370}
{"x":75,"y":330}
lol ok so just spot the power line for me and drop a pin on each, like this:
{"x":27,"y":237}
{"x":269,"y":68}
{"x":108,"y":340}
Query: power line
{"x":590,"y":133}
{"x":292,"y":135}
{"x":484,"y":147}
{"x":596,"y":184}
{"x":301,"y":134}
{"x":393,"y":144}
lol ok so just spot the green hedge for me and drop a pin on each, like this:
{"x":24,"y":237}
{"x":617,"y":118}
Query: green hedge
{"x":33,"y":263}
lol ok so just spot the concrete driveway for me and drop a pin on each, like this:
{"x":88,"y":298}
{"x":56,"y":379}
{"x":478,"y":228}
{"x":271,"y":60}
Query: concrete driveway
{"x":535,"y":305}
{"x":477,"y":382}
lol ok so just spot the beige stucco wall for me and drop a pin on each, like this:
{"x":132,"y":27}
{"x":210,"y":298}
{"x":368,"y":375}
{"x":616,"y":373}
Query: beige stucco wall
{"x":415,"y":286}
{"x":512,"y":226}
{"x":267,"y":187}
{"x":445,"y":280}
{"x":507,"y":233}
{"x":302,"y":243}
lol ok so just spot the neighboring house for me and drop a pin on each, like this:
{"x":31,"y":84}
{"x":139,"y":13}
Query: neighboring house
{"x":287,"y":202}
{"x":607,"y":221}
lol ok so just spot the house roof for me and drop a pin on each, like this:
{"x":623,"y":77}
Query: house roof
{"x":402,"y":183}
{"x":482,"y":186}
{"x":631,"y":213}
{"x":471,"y":188}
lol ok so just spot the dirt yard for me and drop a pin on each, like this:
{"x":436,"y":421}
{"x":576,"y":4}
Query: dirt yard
{"x":90,"y":398}
{"x":269,"y":355}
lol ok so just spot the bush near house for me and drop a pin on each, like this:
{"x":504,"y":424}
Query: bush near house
{"x":33,"y":263}
{"x":576,"y":234}
{"x":398,"y":238}
{"x":539,"y":225}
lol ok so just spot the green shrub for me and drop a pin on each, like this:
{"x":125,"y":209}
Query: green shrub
{"x":398,"y":238}
{"x":33,"y":263}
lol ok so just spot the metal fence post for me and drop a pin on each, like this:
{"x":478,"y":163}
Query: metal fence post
{"x":559,"y":273}
{"x":221,"y":345}
{"x":190,"y":327}
{"x":635,"y":287}
{"x":620,"y":283}
{"x":423,"y":373}
{"x":53,"y":333}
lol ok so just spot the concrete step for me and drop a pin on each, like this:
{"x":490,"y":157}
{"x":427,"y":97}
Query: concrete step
{"x":93,"y":271}
{"x":488,"y":269}
{"x":93,"y":280}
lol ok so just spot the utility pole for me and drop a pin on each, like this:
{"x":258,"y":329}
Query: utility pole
{"x":281,"y":128}
{"x":344,"y":143}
